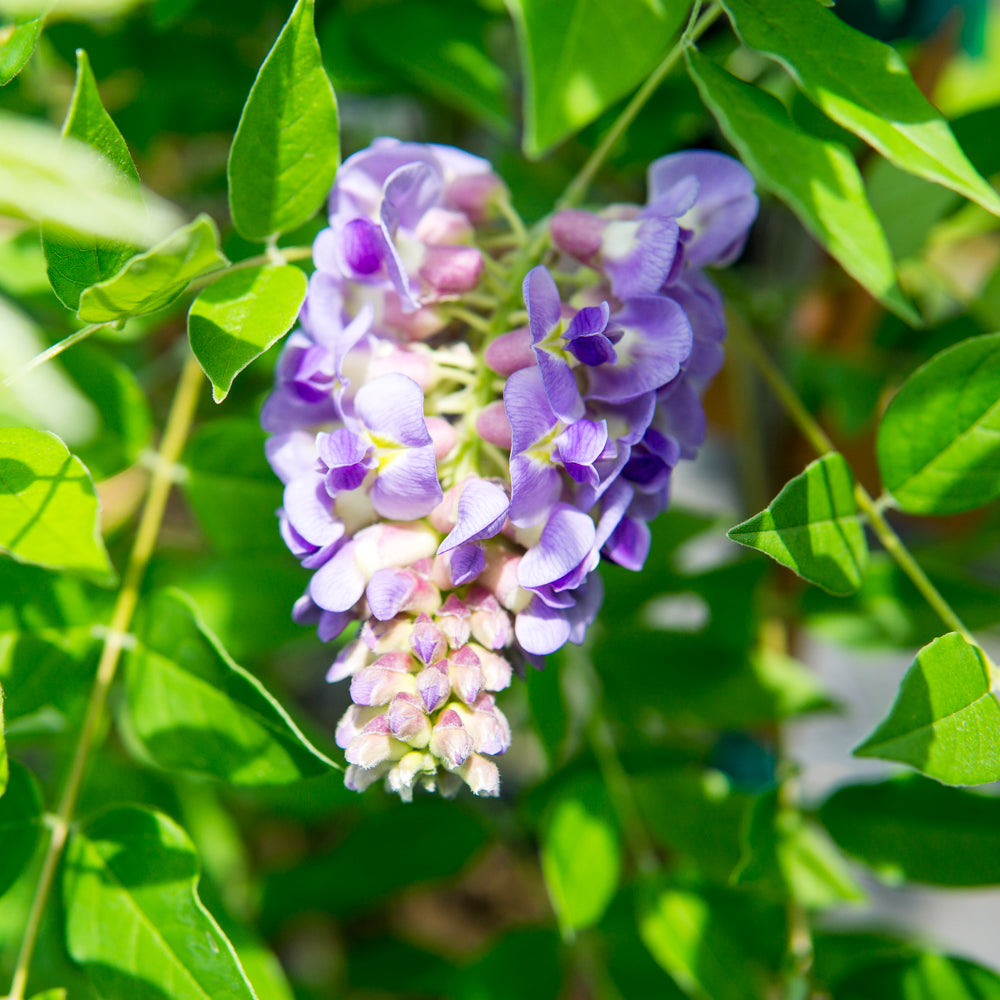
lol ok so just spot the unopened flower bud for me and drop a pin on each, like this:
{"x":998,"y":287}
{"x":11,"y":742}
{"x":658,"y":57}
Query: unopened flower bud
{"x":481,"y":775}
{"x":388,"y":676}
{"x":408,"y":721}
{"x":433,"y":684}
{"x":450,"y":742}
{"x":465,"y":674}
{"x":453,"y":619}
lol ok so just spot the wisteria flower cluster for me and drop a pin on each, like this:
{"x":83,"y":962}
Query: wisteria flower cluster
{"x":459,"y":453}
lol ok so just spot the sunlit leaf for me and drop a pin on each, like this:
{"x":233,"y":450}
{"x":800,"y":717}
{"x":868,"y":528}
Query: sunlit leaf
{"x":581,"y":856}
{"x":74,"y":263}
{"x":939,"y":440}
{"x":817,"y":179}
{"x":17,"y":43}
{"x":812,"y":527}
{"x":925,"y":976}
{"x":133,"y":916}
{"x":945,"y":721}
{"x":240,"y":316}
{"x":153,"y":280}
{"x":287,"y":146}
{"x":20,"y":824}
{"x":580,"y":57}
{"x":46,"y":177}
{"x":193,"y":709}
{"x":4,"y":764}
{"x":862,"y":85}
{"x":48,"y":508}
{"x":914,"y":829}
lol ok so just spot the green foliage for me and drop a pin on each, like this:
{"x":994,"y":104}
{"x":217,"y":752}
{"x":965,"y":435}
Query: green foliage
{"x":239,"y":316}
{"x":193,"y":709}
{"x":17,"y":43}
{"x":131,"y":876}
{"x":153,"y":280}
{"x":938,"y":449}
{"x":919,"y":977}
{"x":945,"y":721}
{"x":812,"y":527}
{"x":74,"y":265}
{"x":285,"y":152}
{"x":881,"y":104}
{"x":582,"y":56}
{"x":817,"y":179}
{"x":20,"y":824}
{"x":914,"y":829}
{"x":4,"y":762}
{"x":48,"y":507}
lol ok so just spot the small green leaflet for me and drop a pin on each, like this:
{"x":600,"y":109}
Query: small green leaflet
{"x":786,"y":856}
{"x":240,"y":316}
{"x":581,"y":857}
{"x":20,"y":824}
{"x":48,"y":507}
{"x":193,"y":709}
{"x":76,"y":262}
{"x":152,"y":280}
{"x":287,"y":147}
{"x":581,"y":56}
{"x":915,"y":829}
{"x":817,"y":179}
{"x":939,"y":441}
{"x":863,"y":85}
{"x":923,"y":976}
{"x":812,"y":527}
{"x":17,"y":43}
{"x":945,"y":721}
{"x":130,"y":877}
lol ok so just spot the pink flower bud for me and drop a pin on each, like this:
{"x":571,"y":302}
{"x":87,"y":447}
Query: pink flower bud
{"x":433,"y":684}
{"x":349,"y":661}
{"x":374,"y":745}
{"x":443,"y":435}
{"x":500,"y":577}
{"x":487,"y":725}
{"x":491,"y":625}
{"x":414,"y":326}
{"x":481,"y":775}
{"x":510,"y":352}
{"x":426,"y":640}
{"x":451,"y":270}
{"x":403,"y":774}
{"x":577,"y":233}
{"x":465,"y":674}
{"x":353,"y":721}
{"x":450,"y":743}
{"x":475,"y":195}
{"x":388,"y":676}
{"x":496,"y":670}
{"x":445,"y":514}
{"x":357,"y":779}
{"x":392,"y":636}
{"x":392,"y":544}
{"x":492,"y":425}
{"x":442,"y":226}
{"x":408,"y":721}
{"x":453,"y":619}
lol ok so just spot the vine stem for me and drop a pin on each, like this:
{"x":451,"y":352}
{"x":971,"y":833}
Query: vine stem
{"x":175,"y":434}
{"x":872,"y":508}
{"x":51,"y":352}
{"x":577,"y":187}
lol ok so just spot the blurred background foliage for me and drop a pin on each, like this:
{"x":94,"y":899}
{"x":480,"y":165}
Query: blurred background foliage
{"x":645,"y":844}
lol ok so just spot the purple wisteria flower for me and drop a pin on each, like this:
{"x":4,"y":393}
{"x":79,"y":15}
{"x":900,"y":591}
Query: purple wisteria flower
{"x":453,"y":489}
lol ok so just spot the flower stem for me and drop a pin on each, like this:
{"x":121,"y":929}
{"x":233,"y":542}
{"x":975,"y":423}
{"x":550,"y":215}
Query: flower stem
{"x":872,"y":508}
{"x":175,"y":434}
{"x":577,"y":187}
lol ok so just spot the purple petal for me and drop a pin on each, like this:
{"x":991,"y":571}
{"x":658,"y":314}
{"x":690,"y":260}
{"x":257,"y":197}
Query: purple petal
{"x":482,"y":510}
{"x":560,"y":385}
{"x":629,"y":544}
{"x":387,"y":591}
{"x":592,"y":351}
{"x":583,"y":442}
{"x":541,"y":296}
{"x":407,"y":486}
{"x":392,"y":406}
{"x":638,"y":261}
{"x":362,"y":246}
{"x":346,"y":457}
{"x":535,"y":487}
{"x":540,"y":629}
{"x":310,"y":510}
{"x":338,"y":585}
{"x":409,"y":191}
{"x":565,"y":542}
{"x":465,"y":563}
{"x":528,"y":410}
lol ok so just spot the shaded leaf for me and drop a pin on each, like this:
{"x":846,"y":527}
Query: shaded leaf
{"x":925,"y":976}
{"x":812,"y":527}
{"x":20,"y":824}
{"x":817,"y":179}
{"x":48,"y":507}
{"x":580,"y":57}
{"x":17,"y":43}
{"x":914,"y":829}
{"x":580,"y":855}
{"x":4,"y":764}
{"x":240,"y":316}
{"x":522,"y":965}
{"x":152,"y":280}
{"x":130,"y":876}
{"x":193,"y":709}
{"x":287,"y":147}
{"x":862,"y":85}
{"x":945,"y":721}
{"x":75,"y":262}
{"x":939,"y":441}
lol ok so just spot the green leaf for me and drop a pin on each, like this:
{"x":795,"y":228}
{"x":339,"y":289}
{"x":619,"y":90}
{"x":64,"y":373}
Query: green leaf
{"x":133,"y":916}
{"x":240,"y":316}
{"x":17,"y":43}
{"x":74,"y":263}
{"x":945,"y":721}
{"x":925,"y":976}
{"x":193,"y":709}
{"x":788,"y":857}
{"x":51,"y":178}
{"x":705,"y":941}
{"x":154,"y":279}
{"x":48,"y":507}
{"x":939,"y":441}
{"x":20,"y":824}
{"x":817,"y":179}
{"x":287,"y":146}
{"x":812,"y":527}
{"x":581,"y":856}
{"x":862,"y":85}
{"x":4,"y":764}
{"x":914,"y":829}
{"x":580,"y":57}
